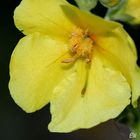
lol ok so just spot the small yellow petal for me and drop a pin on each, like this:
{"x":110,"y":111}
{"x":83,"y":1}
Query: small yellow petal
{"x":132,"y":8}
{"x":106,"y":95}
{"x":34,"y":65}
{"x":136,"y":86}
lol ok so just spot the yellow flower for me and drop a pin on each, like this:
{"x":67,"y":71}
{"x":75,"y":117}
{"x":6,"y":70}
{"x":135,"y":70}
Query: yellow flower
{"x":127,"y":11}
{"x":80,"y":63}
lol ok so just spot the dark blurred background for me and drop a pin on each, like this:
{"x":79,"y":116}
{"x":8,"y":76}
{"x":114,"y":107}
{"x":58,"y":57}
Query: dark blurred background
{"x":15,"y":124}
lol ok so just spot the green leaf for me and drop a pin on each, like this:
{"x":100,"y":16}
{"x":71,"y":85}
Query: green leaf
{"x":86,"y":5}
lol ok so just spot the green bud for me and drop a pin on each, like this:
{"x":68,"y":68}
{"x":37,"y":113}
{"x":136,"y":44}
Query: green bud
{"x":126,"y":11}
{"x":109,"y":3}
{"x":86,"y":5}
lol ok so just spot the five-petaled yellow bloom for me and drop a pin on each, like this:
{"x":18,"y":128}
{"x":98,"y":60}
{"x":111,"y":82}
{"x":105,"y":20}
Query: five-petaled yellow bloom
{"x":80,"y":63}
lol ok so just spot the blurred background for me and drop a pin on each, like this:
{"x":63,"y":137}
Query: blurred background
{"x":15,"y":124}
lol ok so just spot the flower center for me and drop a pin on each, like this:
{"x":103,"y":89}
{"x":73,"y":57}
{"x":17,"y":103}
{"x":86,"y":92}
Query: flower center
{"x":81,"y":43}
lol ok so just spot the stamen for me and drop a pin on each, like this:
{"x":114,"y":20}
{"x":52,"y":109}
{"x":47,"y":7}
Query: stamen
{"x":83,"y":91}
{"x":81,"y":43}
{"x":68,"y":60}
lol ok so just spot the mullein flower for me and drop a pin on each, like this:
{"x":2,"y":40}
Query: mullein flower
{"x":126,"y":11}
{"x":82,"y":64}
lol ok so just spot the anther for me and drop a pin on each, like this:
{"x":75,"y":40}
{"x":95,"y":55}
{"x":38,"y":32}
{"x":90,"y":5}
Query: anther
{"x":81,"y":45}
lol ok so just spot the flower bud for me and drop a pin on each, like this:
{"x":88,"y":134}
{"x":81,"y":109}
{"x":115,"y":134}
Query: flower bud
{"x":86,"y":5}
{"x":109,"y":3}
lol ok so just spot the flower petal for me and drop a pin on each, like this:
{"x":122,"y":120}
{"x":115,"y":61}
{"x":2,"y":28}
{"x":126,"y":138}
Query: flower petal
{"x":86,"y":20}
{"x":65,"y":94}
{"x":107,"y":93}
{"x":35,"y":69}
{"x":45,"y":16}
{"x":119,"y":48}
